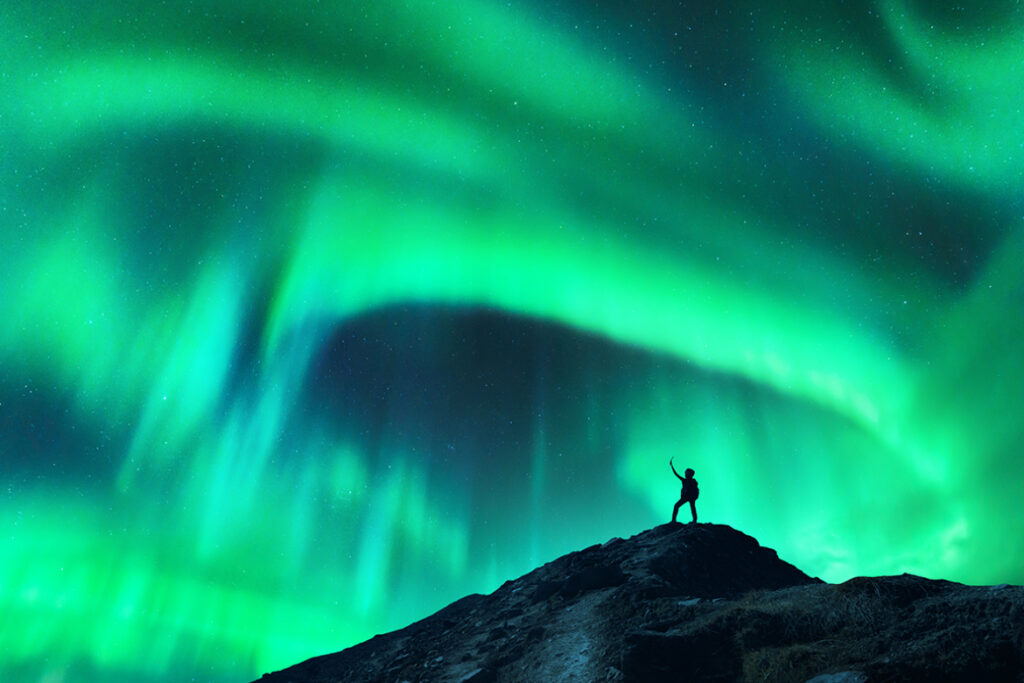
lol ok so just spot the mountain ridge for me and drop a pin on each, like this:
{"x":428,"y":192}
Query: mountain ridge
{"x":697,"y":601}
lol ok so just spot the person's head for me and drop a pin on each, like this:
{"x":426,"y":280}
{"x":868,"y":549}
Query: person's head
{"x":688,"y":473}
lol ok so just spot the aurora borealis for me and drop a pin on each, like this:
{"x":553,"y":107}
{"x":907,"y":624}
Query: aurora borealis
{"x":316,"y":316}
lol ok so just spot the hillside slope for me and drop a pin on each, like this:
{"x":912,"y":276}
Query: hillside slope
{"x":695,"y":602}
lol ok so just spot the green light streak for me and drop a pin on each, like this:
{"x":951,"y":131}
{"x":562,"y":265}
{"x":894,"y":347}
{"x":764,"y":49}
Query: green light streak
{"x":960,"y":118}
{"x":86,"y":592}
{"x":205,"y":207}
{"x":544,"y":266}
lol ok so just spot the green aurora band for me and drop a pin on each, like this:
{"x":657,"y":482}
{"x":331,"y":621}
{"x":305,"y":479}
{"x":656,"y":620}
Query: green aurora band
{"x":318,"y":316}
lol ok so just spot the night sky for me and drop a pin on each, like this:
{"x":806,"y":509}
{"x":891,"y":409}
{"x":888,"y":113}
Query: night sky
{"x":316,"y":316}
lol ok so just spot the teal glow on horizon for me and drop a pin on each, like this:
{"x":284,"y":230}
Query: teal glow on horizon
{"x":317,"y":317}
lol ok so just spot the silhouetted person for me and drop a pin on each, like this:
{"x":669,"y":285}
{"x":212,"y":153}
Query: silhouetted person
{"x":688,"y":494}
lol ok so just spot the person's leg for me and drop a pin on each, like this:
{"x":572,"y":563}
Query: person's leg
{"x":675,"y":510}
{"x":693,"y":509}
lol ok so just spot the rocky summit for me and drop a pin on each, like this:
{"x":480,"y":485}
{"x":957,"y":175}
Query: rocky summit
{"x":696,"y":602}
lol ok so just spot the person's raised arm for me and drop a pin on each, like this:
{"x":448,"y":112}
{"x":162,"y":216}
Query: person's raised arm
{"x":674,"y":469}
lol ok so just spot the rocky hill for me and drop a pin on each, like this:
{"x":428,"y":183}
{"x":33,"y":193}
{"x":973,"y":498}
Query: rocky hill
{"x":696,"y":602}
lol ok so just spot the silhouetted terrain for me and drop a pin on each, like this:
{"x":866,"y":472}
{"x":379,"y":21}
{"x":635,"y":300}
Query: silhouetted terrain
{"x":697,"y":602}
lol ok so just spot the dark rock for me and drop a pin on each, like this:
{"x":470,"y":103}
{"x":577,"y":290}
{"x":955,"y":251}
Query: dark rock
{"x":591,"y":578}
{"x":507,"y":614}
{"x":482,"y":675}
{"x":696,"y":602}
{"x":707,"y":655}
{"x":545,"y":589}
{"x":841,"y":677}
{"x":899,"y":591}
{"x":498,"y":634}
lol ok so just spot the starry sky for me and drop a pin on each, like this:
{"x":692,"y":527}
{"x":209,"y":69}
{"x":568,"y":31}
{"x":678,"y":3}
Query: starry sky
{"x":316,"y":316}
